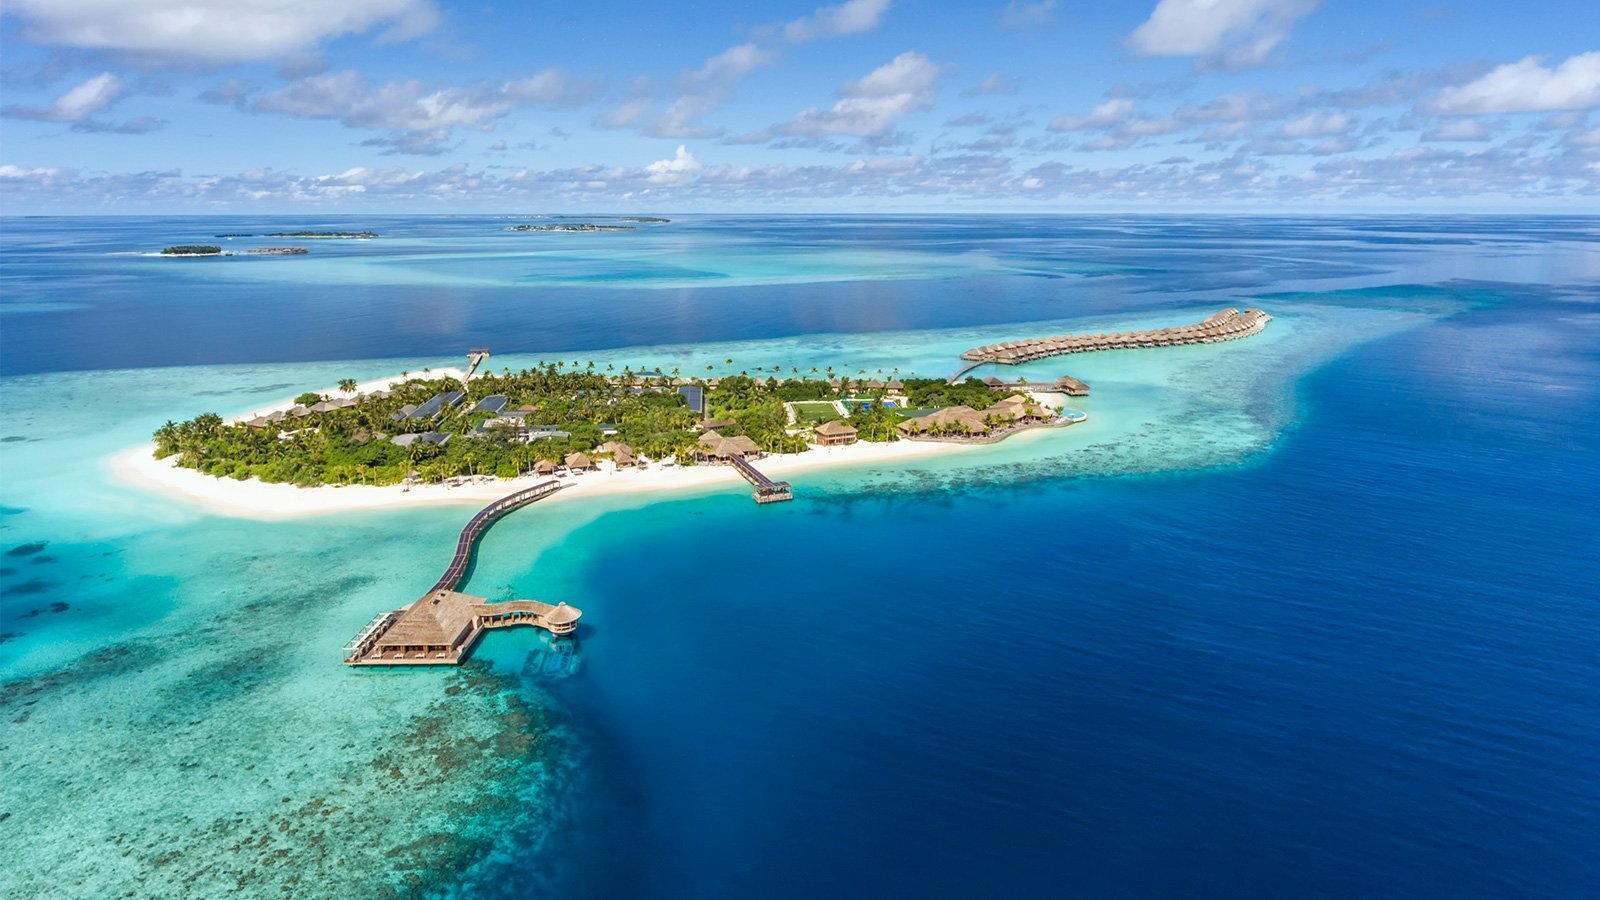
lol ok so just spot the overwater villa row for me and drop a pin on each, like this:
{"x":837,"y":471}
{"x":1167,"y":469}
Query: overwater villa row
{"x":1229,"y":324}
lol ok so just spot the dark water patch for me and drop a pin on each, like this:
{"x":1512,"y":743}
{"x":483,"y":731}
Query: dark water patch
{"x":43,"y":560}
{"x":12,"y":510}
{"x":28,"y":549}
{"x":31,"y":586}
{"x":16,"y":439}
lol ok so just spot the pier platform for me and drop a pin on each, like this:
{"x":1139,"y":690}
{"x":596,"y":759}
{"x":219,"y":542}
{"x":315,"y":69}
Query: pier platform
{"x":440,"y":627}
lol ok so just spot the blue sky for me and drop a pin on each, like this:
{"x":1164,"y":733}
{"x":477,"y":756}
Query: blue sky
{"x":865,"y":105}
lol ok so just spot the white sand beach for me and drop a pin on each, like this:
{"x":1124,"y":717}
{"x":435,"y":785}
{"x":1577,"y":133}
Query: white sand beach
{"x":137,"y":467}
{"x":253,"y":499}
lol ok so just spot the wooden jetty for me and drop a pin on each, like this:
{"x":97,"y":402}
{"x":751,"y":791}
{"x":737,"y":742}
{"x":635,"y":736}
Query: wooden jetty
{"x":766,"y":490}
{"x":440,"y":627}
{"x":1227,"y":325}
{"x":475,"y":357}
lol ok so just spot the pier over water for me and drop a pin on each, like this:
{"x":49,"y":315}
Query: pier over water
{"x":440,"y":627}
{"x":1227,"y":325}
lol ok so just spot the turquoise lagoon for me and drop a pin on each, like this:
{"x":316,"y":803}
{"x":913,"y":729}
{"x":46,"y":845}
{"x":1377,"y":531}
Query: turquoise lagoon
{"x":1119,"y":656}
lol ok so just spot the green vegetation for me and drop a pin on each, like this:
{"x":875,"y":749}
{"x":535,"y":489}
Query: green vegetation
{"x":814,"y":412}
{"x":323,"y":234}
{"x":928,"y":393}
{"x":585,"y":226}
{"x":192,"y":250}
{"x":353,"y":445}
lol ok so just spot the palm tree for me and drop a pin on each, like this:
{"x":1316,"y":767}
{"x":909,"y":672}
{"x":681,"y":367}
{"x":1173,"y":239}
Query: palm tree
{"x":348,"y":385}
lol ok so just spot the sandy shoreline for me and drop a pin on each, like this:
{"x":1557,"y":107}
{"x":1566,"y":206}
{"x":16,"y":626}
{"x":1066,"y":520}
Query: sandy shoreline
{"x":138,"y":468}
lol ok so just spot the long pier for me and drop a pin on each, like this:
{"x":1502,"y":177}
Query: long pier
{"x":1227,"y":325}
{"x":441,"y":626}
{"x":766,"y":490}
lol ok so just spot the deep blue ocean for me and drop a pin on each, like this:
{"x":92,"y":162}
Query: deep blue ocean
{"x":1358,"y":657}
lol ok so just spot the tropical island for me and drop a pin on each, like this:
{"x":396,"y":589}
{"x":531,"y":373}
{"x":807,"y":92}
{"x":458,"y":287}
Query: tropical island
{"x":585,"y":226}
{"x":560,"y":418}
{"x":192,"y":250}
{"x":325,"y":235}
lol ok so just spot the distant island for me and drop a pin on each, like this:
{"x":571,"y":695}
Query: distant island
{"x":584,"y":226}
{"x":326,"y":235}
{"x":649,"y":220}
{"x":210,"y":250}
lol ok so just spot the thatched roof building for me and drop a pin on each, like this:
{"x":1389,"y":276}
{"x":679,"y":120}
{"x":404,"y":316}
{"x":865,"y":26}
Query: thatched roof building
{"x":834,"y":433}
{"x":954,"y":419}
{"x":715,"y":446}
{"x":577,"y":460}
{"x":437,"y":623}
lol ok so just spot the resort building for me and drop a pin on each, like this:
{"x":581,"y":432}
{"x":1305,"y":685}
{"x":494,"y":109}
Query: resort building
{"x":494,"y":403}
{"x":579,"y":462}
{"x":695,"y":396}
{"x":834,"y":433}
{"x":715,"y":447}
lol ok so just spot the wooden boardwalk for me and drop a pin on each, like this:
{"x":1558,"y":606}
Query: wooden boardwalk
{"x":1227,"y":325}
{"x":766,"y":490}
{"x":440,"y":627}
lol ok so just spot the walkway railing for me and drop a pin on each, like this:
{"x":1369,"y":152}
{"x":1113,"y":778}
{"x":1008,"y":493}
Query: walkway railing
{"x":487,"y":516}
{"x":767,"y":490}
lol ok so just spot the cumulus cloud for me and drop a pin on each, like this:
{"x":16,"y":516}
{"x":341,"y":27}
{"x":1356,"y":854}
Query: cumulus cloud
{"x":700,"y":92}
{"x":680,"y":168}
{"x":1023,"y":14}
{"x":850,"y":17}
{"x":423,"y":116}
{"x":1526,"y":86}
{"x":1231,"y":33}
{"x":216,"y":32}
{"x":871,"y":107}
{"x":80,"y":102}
{"x":78,"y":106}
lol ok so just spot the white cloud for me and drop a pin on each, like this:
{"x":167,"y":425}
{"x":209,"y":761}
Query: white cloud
{"x":1022,"y":14}
{"x":215,"y":31}
{"x":850,"y":17}
{"x":1460,"y":130}
{"x":1235,"y":33}
{"x":409,"y":106}
{"x":1527,"y":86}
{"x":1318,"y":124}
{"x":680,"y":168}
{"x":77,"y":104}
{"x":872,"y":106}
{"x":1107,"y":114}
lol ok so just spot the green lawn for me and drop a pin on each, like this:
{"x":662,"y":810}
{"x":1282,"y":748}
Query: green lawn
{"x":812,"y":412}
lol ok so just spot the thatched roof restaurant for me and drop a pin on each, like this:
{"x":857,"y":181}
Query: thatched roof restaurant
{"x":834,"y":433}
{"x":715,"y":446}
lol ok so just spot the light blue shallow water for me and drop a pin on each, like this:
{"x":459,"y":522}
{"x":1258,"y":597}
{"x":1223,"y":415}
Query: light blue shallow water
{"x":1308,"y":613}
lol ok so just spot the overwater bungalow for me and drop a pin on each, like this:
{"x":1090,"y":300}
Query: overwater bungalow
{"x":834,"y":433}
